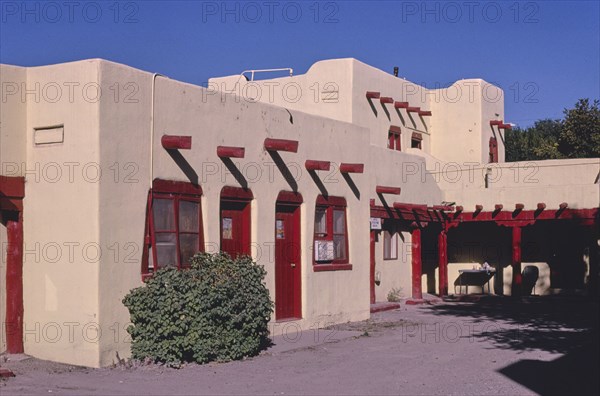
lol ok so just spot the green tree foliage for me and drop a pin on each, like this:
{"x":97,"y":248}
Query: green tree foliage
{"x":218,"y":310}
{"x":576,"y":136}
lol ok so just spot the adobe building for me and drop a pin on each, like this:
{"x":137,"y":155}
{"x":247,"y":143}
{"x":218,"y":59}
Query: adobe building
{"x":346,"y":183}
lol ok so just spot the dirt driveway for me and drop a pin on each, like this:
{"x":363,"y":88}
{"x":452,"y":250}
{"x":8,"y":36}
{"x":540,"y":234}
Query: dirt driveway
{"x":493,"y":346}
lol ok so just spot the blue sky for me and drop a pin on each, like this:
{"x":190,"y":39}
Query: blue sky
{"x":544,"y":54}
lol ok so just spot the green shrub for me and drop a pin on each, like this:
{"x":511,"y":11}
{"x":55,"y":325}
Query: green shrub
{"x":216,"y":311}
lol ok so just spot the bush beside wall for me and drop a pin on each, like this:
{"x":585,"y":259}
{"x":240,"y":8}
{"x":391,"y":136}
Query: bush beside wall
{"x":218,"y":310}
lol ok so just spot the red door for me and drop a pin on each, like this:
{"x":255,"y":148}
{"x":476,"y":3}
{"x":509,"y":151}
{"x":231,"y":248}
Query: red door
{"x":235,"y":227}
{"x":288,"y":295}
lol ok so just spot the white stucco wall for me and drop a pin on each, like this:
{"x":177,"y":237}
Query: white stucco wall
{"x":60,"y":272}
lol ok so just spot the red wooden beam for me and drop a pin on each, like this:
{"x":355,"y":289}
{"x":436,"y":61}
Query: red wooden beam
{"x":425,"y":113}
{"x":505,"y":126}
{"x":313,"y":165}
{"x":386,"y":99}
{"x":401,"y":105}
{"x":352,"y":168}
{"x":498,"y":207}
{"x":281,"y":145}
{"x":387,"y":190}
{"x":409,"y":207}
{"x":230,"y":152}
{"x":416,"y":263}
{"x":413,"y":109}
{"x":478,"y":208}
{"x":445,"y":208}
{"x":372,"y":95}
{"x":395,"y":129}
{"x":563,"y":206}
{"x":14,"y":284}
{"x":443,"y":262}
{"x":496,"y":122}
{"x":172,"y":142}
{"x":459,"y":208}
{"x":519,"y":206}
{"x":541,"y":206}
{"x":13,"y":187}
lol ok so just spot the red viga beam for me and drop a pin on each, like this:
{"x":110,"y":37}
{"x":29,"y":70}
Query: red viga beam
{"x":425,"y":113}
{"x":401,"y":105}
{"x":230,"y":152}
{"x":519,"y":206}
{"x":281,"y":145}
{"x":351,"y":168}
{"x":372,"y":95}
{"x":563,"y":205}
{"x":498,"y":207}
{"x":413,"y":109}
{"x":541,"y":206}
{"x":496,"y":122}
{"x":386,"y":99}
{"x":171,"y":142}
{"x":505,"y":126}
{"x":317,"y":165}
{"x":387,"y":190}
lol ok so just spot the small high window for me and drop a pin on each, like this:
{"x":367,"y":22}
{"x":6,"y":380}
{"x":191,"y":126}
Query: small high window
{"x":394,"y":136}
{"x":416,"y":140}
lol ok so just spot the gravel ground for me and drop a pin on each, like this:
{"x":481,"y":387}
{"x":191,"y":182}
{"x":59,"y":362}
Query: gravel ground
{"x":495,"y":346}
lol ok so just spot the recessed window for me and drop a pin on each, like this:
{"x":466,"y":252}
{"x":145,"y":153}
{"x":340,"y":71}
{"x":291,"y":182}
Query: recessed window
{"x":174,"y":226}
{"x":394,"y":142}
{"x":416,"y":140}
{"x":390,"y":245}
{"x":331,"y":233}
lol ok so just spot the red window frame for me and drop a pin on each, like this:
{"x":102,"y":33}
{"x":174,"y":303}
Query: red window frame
{"x":329,"y":205}
{"x":394,"y":138}
{"x":416,"y":141}
{"x":177,"y":192}
{"x":493,"y":150}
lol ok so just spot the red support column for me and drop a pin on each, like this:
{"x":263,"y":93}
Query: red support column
{"x":443,"y":262}
{"x":14,"y":284}
{"x":416,"y":263}
{"x":516,"y":261}
{"x":372,"y":272}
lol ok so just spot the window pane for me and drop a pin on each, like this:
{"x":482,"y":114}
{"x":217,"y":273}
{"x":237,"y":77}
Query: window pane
{"x":188,"y":246}
{"x":188,"y":216}
{"x":386,"y":244}
{"x":339,"y":222}
{"x":166,"y":250}
{"x":227,"y":226}
{"x":320,"y":221}
{"x":164,"y":214}
{"x":339,"y":247}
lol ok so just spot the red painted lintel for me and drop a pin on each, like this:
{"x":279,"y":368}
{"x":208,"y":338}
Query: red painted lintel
{"x":230,"y":152}
{"x":387,"y":190}
{"x":281,"y":145}
{"x":352,"y":168}
{"x":317,"y":165}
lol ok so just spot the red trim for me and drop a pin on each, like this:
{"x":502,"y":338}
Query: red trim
{"x":443,"y":208}
{"x":516,"y":261}
{"x":425,"y":113}
{"x":14,"y":284}
{"x":459,"y":208}
{"x":317,"y":165}
{"x":495,"y":122}
{"x":396,"y":129}
{"x":236,"y":193}
{"x":541,"y":206}
{"x":416,"y":263}
{"x":288,"y":196}
{"x":417,"y":136}
{"x":12,"y":187}
{"x":372,"y":95}
{"x":505,"y":126}
{"x":372,"y":267}
{"x":332,"y":267}
{"x":563,"y":205}
{"x":443,"y":262}
{"x":498,"y":207}
{"x":387,"y":190}
{"x":386,"y":99}
{"x":329,"y":200}
{"x":401,"y":105}
{"x":281,"y":145}
{"x":171,"y":142}
{"x":413,"y":109}
{"x":352,"y":168}
{"x":478,"y":208}
{"x":177,"y":187}
{"x":493,"y":150}
{"x":230,"y":152}
{"x":519,"y":206}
